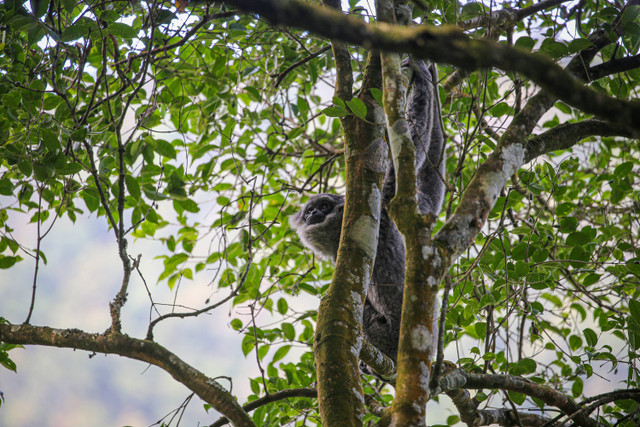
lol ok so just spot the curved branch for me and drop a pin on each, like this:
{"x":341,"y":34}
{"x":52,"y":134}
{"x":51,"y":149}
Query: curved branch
{"x":566,"y":135}
{"x":377,"y":360}
{"x":147,"y":351}
{"x":449,"y":45}
{"x":472,"y":416}
{"x":507,"y":17}
{"x":270,"y":398}
{"x":280,"y":76}
{"x":460,"y":379}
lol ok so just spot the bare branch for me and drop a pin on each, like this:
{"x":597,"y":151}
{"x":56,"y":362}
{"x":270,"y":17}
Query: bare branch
{"x":147,"y":351}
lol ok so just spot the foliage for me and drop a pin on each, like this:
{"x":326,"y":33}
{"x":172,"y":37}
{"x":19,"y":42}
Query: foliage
{"x":204,"y":129}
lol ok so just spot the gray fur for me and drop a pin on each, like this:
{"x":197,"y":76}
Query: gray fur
{"x":321,"y":232}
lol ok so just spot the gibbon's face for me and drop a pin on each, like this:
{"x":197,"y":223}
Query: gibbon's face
{"x":317,"y":211}
{"x":319,"y":222}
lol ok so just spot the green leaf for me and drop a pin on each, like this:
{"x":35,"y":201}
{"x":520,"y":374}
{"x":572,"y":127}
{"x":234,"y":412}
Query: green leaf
{"x":263,"y":350}
{"x":591,"y":279}
{"x":132,"y":186}
{"x":255,"y":386}
{"x":288,"y":331}
{"x":634,"y":309}
{"x":578,"y":238}
{"x":357,"y":107}
{"x":525,"y":42}
{"x":553,"y":48}
{"x":74,"y":32}
{"x":568,"y":224}
{"x":165,"y":148}
{"x":68,"y":5}
{"x":517,"y":398}
{"x":6,"y":187}
{"x":623,"y":169}
{"x":481,"y":329}
{"x":236,"y":324}
{"x":522,"y":268}
{"x":578,"y":45}
{"x":591,"y":337}
{"x":500,"y":109}
{"x":527,"y":366}
{"x":577,"y":387}
{"x":119,"y":29}
{"x":39,"y":7}
{"x":335,"y":111}
{"x":575,"y":342}
{"x":281,"y":352}
{"x":377,"y":95}
{"x":283,"y":307}
{"x":471,"y":10}
{"x":8,"y":261}
{"x":633,"y":332}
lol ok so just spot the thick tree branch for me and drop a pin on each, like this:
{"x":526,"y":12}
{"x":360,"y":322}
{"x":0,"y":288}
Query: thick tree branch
{"x":338,"y":331}
{"x":460,"y":379}
{"x":449,"y":45}
{"x":472,"y":416}
{"x":499,"y":20}
{"x":614,"y":66}
{"x":567,"y":135}
{"x":147,"y":351}
{"x":377,"y":360}
{"x":416,"y":346}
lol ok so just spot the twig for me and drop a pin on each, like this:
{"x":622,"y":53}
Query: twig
{"x":35,"y":271}
{"x":283,"y":74}
{"x":273,"y":397}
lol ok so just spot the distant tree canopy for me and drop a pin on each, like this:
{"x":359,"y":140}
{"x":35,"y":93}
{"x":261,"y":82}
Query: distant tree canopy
{"x":204,"y":125}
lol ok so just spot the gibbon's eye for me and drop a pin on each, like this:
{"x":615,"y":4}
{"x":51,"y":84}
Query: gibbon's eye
{"x":324,"y":207}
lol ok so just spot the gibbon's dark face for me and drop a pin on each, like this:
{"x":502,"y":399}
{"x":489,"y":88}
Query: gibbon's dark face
{"x":319,"y":223}
{"x":317,"y":211}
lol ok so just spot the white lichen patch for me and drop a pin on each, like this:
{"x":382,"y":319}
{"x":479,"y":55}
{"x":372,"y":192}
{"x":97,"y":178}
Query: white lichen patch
{"x":421,"y":338}
{"x":493,"y":182}
{"x":355,"y":350}
{"x":425,"y":375}
{"x":358,"y":395}
{"x":374,"y":201}
{"x":399,"y":138}
{"x":363,"y":233}
{"x":376,"y":156}
{"x":356,"y":302}
{"x":512,"y":159}
{"x":427,"y":251}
